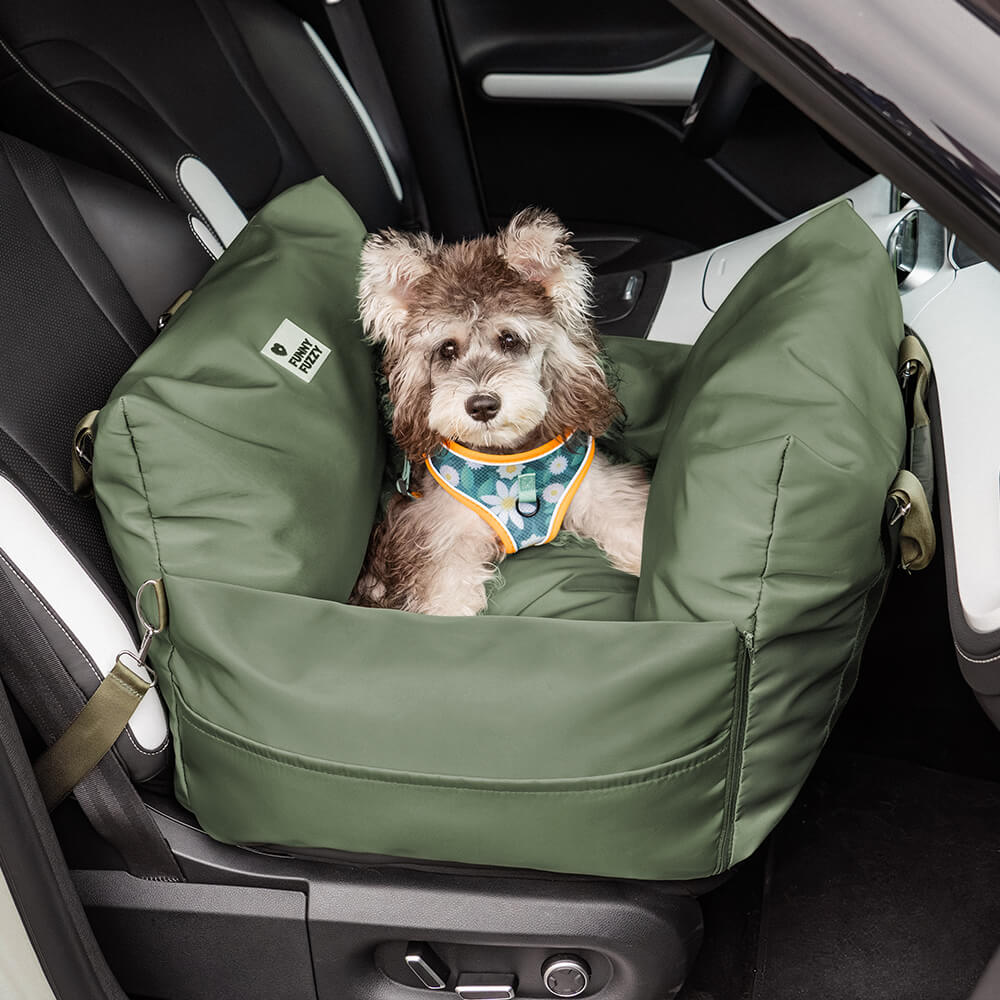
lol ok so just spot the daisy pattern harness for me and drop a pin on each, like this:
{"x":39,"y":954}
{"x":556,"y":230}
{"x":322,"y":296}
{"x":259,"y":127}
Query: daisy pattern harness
{"x":522,"y":497}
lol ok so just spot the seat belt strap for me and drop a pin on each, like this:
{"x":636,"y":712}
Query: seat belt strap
{"x":51,"y":700}
{"x":364,"y":67}
{"x":91,"y":734}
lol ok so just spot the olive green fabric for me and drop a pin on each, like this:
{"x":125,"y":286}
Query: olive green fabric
{"x":553,"y":732}
{"x":787,"y":430}
{"x":218,"y":463}
{"x":571,"y":578}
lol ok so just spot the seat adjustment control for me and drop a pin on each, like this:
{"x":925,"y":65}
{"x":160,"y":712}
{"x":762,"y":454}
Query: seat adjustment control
{"x":426,"y":965}
{"x":566,"y":975}
{"x":486,"y":986}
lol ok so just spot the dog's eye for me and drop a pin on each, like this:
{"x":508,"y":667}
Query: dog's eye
{"x":509,"y":341}
{"x":448,"y":351}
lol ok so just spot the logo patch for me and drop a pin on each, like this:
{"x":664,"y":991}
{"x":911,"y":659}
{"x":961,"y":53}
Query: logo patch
{"x":292,"y":348}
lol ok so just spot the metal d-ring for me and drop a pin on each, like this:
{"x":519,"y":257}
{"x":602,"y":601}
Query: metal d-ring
{"x":536,"y":506}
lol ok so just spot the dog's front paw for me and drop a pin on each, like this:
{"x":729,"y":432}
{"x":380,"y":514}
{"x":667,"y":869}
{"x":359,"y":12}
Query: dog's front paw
{"x":455,"y":604}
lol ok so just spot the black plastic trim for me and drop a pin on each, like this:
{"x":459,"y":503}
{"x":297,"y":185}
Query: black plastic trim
{"x":40,"y":883}
{"x":641,"y":937}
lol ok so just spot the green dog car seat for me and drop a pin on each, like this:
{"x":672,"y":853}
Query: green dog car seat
{"x":589,"y":722}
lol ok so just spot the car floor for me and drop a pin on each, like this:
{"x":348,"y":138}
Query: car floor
{"x":881,"y":883}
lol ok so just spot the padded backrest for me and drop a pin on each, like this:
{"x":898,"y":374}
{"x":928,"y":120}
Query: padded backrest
{"x":279,"y":404}
{"x":752,"y":483}
{"x":785,"y":432}
{"x":139,"y":88}
{"x":71,"y":326}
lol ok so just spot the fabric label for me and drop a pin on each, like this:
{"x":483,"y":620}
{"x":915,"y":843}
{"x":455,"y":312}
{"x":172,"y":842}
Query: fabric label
{"x":292,"y":348}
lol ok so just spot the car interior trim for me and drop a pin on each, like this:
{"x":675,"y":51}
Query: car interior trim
{"x":956,"y":326}
{"x":207,"y":195}
{"x":699,"y":283}
{"x":205,"y":237}
{"x":359,"y":109}
{"x":21,"y":974}
{"x":670,"y":83}
{"x":780,"y":61}
{"x":44,"y":562}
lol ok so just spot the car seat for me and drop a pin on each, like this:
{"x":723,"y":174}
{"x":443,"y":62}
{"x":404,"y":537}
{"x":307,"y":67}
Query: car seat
{"x":225,"y":921}
{"x":91,"y":262}
{"x":218,"y":105}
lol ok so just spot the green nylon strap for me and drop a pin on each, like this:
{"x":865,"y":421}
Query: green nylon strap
{"x":917,"y":538}
{"x":526,"y":492}
{"x":82,"y":457}
{"x":90,"y":735}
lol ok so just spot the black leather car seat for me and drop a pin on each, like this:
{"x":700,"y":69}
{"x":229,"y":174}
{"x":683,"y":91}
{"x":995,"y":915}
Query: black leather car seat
{"x":155,"y":92}
{"x":218,"y":105}
{"x":87,"y":264}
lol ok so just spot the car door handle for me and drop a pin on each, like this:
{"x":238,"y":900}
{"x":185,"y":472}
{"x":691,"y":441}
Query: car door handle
{"x":669,"y":83}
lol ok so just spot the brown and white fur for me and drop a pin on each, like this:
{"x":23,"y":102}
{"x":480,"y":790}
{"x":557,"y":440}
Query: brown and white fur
{"x":488,"y":343}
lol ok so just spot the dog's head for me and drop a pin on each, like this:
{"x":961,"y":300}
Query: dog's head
{"x":486,"y":342}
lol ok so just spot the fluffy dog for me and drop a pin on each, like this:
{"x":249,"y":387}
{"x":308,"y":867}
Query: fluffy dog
{"x":497,"y":389}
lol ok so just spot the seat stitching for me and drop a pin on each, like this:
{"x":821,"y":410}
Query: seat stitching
{"x":976,"y":659}
{"x":86,"y":656}
{"x":38,"y":81}
{"x":194,"y":233}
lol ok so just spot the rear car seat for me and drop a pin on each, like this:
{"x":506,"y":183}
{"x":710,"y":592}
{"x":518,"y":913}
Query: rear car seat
{"x":90,"y":262}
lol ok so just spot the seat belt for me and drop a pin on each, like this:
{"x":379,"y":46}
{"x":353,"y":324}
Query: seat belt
{"x":106,"y":713}
{"x":364,"y":67}
{"x":51,"y":701}
{"x":91,"y":734}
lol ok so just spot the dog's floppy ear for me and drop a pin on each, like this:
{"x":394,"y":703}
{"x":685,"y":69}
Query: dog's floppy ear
{"x":536,"y":245}
{"x":391,"y":263}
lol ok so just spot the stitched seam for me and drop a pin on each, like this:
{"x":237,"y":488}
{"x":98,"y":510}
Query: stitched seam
{"x":49,"y":612}
{"x":827,"y":729}
{"x":976,"y":659}
{"x":350,"y":104}
{"x":194,"y":233}
{"x":86,"y":657}
{"x":191,"y":720}
{"x":125,"y":686}
{"x":187,"y":194}
{"x":38,"y":81}
{"x":44,"y":680}
{"x":199,"y":211}
{"x":58,"y":536}
{"x":770,"y":537}
{"x":739,"y":759}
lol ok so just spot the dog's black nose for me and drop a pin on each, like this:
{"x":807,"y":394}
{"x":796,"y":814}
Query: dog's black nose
{"x":483,"y":406}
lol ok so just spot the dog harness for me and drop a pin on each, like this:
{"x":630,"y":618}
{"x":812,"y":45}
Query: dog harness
{"x":522,"y":497}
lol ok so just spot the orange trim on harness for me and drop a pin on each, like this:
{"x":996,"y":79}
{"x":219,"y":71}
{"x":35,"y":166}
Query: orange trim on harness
{"x":506,"y":539}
